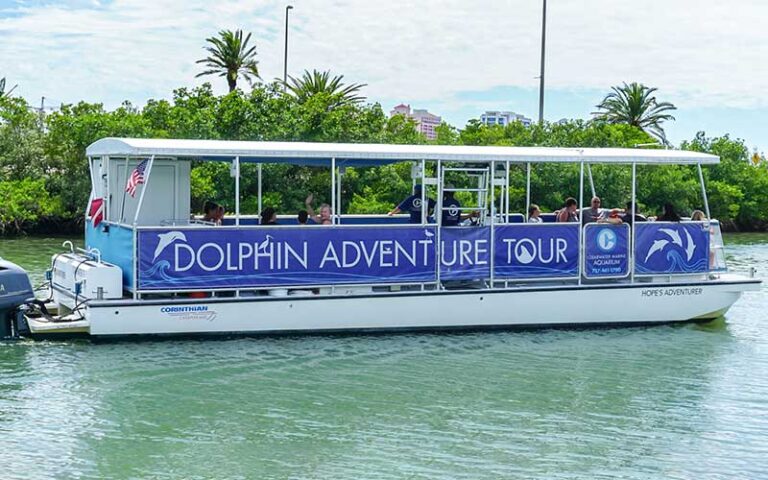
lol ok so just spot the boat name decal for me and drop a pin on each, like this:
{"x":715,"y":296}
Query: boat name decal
{"x":671,"y":292}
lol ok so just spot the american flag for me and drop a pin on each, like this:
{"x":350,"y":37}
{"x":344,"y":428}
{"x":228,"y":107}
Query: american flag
{"x":136,"y":178}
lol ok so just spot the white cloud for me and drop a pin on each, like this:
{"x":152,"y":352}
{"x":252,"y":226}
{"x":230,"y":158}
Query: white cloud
{"x":699,"y":53}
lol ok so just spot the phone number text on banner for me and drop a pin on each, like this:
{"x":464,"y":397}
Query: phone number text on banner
{"x":606,"y":249}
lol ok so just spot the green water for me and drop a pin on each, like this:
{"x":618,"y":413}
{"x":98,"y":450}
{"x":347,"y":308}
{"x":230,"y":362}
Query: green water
{"x":682,"y":402}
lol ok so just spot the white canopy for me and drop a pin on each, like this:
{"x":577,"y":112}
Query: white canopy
{"x":362,"y":154}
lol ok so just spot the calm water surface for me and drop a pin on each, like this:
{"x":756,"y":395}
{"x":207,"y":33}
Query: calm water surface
{"x":683,"y":402}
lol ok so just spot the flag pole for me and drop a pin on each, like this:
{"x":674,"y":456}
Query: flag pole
{"x":122,"y":204}
{"x":143,"y":189}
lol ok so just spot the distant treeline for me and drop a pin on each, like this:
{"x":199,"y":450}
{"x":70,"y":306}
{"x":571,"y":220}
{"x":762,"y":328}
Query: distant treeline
{"x":44,"y":179}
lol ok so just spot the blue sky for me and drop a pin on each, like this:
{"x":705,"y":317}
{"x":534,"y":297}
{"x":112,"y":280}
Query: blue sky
{"x":453,"y":57}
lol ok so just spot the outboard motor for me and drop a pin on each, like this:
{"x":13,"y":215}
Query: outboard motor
{"x":15,"y":290}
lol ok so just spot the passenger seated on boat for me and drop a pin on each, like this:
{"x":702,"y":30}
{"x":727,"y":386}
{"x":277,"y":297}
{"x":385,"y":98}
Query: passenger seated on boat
{"x":302,"y":217}
{"x":269,"y":216}
{"x":568,"y":213}
{"x":451,"y":215}
{"x":412,"y":205}
{"x":668,"y":214}
{"x":698,"y":216}
{"x":628,"y":217}
{"x":324,"y":218}
{"x":219,"y":216}
{"x":534,"y":214}
{"x":594,"y":213}
{"x":210,"y":211}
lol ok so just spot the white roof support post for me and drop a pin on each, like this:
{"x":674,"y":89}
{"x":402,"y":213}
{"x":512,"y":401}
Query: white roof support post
{"x":237,"y":191}
{"x":333,"y":190}
{"x":105,"y":185}
{"x":439,"y":221}
{"x":258,"y":177}
{"x":147,"y":178}
{"x":424,"y":208}
{"x":704,"y":192}
{"x":581,"y":211}
{"x":338,"y":192}
{"x":632,"y":233}
{"x":493,"y":216}
{"x":527,"y":189}
{"x":591,"y":181}
{"x":122,"y":203}
{"x":506,"y":194}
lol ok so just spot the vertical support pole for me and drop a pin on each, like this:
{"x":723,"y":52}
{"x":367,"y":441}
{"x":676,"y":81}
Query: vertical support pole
{"x":122,"y":203}
{"x":147,"y":179}
{"x":591,"y":181}
{"x":581,"y":211}
{"x":106,"y":189}
{"x":134,"y":270}
{"x":333,"y":190}
{"x":527,"y":190}
{"x":258,"y":182}
{"x":493,"y":217}
{"x":439,"y":222}
{"x":338,"y":193}
{"x":506,"y":215}
{"x":237,"y":191}
{"x":634,"y":223}
{"x":424,"y":206}
{"x":704,"y":192}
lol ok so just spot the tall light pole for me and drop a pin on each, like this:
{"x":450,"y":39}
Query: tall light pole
{"x":285,"y":61}
{"x":541,"y":76}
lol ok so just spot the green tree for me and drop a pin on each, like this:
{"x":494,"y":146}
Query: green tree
{"x":314,"y":83}
{"x":230,"y":56}
{"x":25,"y":201}
{"x":636,"y":105}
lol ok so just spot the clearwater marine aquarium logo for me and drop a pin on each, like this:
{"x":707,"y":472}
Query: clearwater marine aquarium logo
{"x":607,"y":240}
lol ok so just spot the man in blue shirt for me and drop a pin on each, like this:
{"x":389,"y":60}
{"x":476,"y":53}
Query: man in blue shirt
{"x":412,"y":205}
{"x":451,"y":215}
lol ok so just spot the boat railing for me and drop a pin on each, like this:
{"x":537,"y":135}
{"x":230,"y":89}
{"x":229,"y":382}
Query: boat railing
{"x":524,"y":254}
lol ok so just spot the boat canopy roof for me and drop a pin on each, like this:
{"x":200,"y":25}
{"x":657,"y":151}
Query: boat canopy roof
{"x":366,"y":154}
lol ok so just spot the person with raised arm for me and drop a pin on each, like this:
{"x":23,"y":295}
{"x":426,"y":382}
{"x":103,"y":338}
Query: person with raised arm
{"x":324,"y":217}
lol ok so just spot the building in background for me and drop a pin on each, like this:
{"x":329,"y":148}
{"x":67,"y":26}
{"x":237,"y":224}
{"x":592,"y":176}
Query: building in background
{"x":425,"y":122}
{"x":504,"y":118}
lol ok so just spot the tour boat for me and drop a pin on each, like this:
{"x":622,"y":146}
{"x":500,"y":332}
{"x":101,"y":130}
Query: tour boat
{"x":150,"y":267}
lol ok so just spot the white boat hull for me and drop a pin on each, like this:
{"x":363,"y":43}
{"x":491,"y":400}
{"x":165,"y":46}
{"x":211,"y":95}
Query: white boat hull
{"x":477,"y":309}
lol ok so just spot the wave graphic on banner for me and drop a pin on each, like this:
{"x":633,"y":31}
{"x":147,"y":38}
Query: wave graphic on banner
{"x":677,"y":264}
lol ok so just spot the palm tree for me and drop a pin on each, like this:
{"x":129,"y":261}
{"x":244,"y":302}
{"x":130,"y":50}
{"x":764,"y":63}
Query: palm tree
{"x":321,"y":82}
{"x":3,"y":93}
{"x":635,"y":104}
{"x":230,"y":56}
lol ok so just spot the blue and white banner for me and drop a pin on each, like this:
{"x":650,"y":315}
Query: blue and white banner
{"x":606,"y":250}
{"x":176,"y":259}
{"x":466,"y":253}
{"x":536,"y":251}
{"x":668,"y":247}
